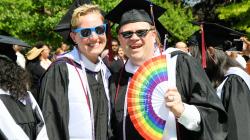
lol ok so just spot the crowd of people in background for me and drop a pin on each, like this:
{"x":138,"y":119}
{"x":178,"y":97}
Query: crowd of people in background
{"x":80,"y":91}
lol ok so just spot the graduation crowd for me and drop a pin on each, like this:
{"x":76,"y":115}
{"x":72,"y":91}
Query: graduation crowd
{"x":82,"y":93}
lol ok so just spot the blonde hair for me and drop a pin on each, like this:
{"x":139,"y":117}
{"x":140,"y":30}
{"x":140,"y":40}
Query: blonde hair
{"x":82,"y":11}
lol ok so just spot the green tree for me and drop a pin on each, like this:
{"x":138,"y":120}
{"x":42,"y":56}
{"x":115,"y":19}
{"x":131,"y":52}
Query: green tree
{"x":238,"y":14}
{"x":32,"y":20}
{"x":177,"y":20}
{"x":107,"y":5}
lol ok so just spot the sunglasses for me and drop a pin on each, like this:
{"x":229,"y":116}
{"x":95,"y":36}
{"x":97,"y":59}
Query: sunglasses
{"x":87,"y":32}
{"x":139,"y":33}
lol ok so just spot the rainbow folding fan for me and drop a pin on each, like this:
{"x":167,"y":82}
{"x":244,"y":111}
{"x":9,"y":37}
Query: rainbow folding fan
{"x":145,"y":98}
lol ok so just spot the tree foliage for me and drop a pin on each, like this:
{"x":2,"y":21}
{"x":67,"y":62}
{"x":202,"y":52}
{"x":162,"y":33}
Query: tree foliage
{"x":177,"y":20}
{"x":237,"y":14}
{"x":32,"y":20}
{"x":35,"y":20}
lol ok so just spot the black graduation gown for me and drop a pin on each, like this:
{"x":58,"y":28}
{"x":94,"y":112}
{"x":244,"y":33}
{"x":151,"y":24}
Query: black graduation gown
{"x":106,"y":61}
{"x":236,"y":100}
{"x":23,"y":115}
{"x":100,"y":104}
{"x":116,"y":65}
{"x":36,"y":71}
{"x":194,"y":87}
{"x":53,"y":100}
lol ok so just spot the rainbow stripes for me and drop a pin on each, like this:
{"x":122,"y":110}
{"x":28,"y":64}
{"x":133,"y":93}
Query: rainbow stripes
{"x":139,"y":98}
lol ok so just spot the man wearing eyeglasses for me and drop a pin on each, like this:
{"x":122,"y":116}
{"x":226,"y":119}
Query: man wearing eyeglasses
{"x":195,"y":112}
{"x":74,"y":94}
{"x":138,"y":37}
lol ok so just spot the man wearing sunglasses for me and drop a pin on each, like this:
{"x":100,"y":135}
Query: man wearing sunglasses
{"x":194,"y":108}
{"x":74,"y":93}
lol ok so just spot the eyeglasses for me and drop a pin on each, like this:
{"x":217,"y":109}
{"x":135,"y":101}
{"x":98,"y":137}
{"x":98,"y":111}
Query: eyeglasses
{"x":87,"y":32}
{"x":139,"y":33}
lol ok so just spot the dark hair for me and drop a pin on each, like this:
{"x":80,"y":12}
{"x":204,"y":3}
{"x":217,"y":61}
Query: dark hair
{"x":115,"y":40}
{"x":217,"y":65}
{"x":195,"y":51}
{"x":39,"y":44}
{"x":14,"y":79}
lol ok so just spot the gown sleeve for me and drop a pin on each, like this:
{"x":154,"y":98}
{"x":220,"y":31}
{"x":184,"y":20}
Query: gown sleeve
{"x":196,"y":89}
{"x":236,"y":100}
{"x":53,"y":100}
{"x":36,"y":71}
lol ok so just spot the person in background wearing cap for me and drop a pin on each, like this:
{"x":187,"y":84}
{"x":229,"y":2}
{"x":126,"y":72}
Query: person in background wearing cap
{"x":229,"y":79}
{"x":20,"y":117}
{"x":74,"y":94}
{"x":37,"y":64}
{"x":196,"y":112}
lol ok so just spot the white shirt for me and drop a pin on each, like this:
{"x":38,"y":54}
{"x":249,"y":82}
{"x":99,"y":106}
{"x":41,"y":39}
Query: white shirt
{"x":241,"y":60}
{"x":20,"y":60}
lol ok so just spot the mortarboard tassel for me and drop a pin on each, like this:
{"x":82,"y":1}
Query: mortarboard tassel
{"x":203,"y":50}
{"x":153,"y":19}
{"x":152,"y":12}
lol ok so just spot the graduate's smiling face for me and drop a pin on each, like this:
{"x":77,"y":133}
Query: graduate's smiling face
{"x":91,"y":42}
{"x":138,"y":46}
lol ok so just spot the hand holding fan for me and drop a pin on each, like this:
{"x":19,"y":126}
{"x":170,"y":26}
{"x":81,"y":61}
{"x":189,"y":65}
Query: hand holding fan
{"x":145,"y":98}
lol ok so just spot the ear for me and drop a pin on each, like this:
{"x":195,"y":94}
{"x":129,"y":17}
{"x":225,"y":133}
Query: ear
{"x":73,"y":36}
{"x":154,"y":34}
{"x":211,"y":51}
{"x":122,"y":41}
{"x":119,"y":38}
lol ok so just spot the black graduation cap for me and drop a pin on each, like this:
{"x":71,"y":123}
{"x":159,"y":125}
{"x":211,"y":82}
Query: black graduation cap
{"x":13,"y":41}
{"x":194,"y":39}
{"x":217,"y":36}
{"x":221,"y":37}
{"x":117,"y":15}
{"x":64,"y":27}
{"x":126,"y":5}
{"x":6,"y":47}
{"x":163,"y":32}
{"x":136,"y":10}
